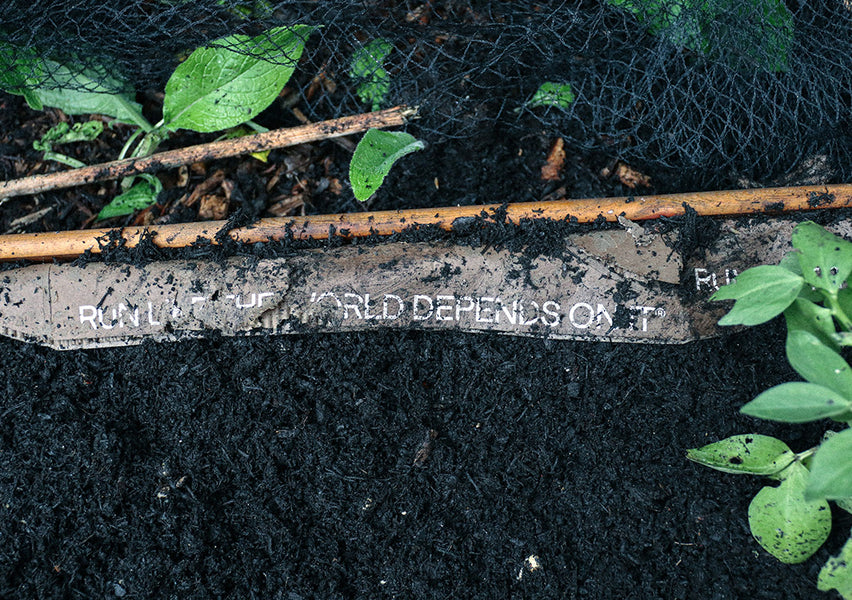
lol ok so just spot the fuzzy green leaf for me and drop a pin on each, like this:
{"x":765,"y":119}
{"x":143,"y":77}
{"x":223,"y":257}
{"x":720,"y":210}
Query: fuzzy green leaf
{"x":375,"y":155}
{"x":761,"y":293}
{"x":142,"y":195}
{"x":836,"y":574}
{"x":750,"y":453}
{"x":88,"y":92}
{"x":367,"y":67}
{"x":818,"y":363}
{"x":233,"y":81}
{"x":787,"y":525}
{"x":826,"y":259}
{"x":804,"y":315}
{"x":797,"y":402}
{"x":558,"y":95}
{"x":831,"y":468}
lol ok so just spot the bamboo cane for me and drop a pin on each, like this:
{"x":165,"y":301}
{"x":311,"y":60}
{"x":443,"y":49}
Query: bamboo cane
{"x":69,"y":244}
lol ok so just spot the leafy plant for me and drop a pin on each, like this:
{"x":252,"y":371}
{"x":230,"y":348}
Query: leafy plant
{"x":222,"y":86}
{"x":761,"y":30}
{"x":810,"y":287}
{"x":367,"y":68}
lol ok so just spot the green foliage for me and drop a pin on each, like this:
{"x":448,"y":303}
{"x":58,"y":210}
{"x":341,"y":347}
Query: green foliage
{"x":837,"y":572}
{"x":787,"y":525}
{"x":233,"y":80}
{"x":63,"y":133}
{"x":761,"y":294}
{"x":141,"y":195}
{"x":758,"y":30}
{"x":220,"y":86}
{"x":754,"y":454}
{"x":367,"y":68}
{"x":550,"y":94}
{"x":810,"y":286}
{"x":374,"y":156}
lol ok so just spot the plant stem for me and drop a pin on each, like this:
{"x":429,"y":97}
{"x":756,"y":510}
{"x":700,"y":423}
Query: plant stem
{"x":837,"y":312}
{"x":137,"y":116}
{"x":65,"y":160}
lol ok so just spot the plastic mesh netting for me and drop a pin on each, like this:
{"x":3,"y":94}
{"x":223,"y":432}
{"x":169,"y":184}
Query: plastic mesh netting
{"x":714,"y":92}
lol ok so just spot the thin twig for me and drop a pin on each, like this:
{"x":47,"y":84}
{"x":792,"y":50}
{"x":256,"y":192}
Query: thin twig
{"x":278,"y":138}
{"x":69,"y":244}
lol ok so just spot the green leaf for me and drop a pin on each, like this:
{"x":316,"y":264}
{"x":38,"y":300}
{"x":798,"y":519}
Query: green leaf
{"x":804,"y":315}
{"x":750,"y":453}
{"x":831,"y":468}
{"x":818,"y":363}
{"x":233,"y":81}
{"x":836,"y":574}
{"x":375,"y":155}
{"x":367,"y":67}
{"x":844,"y":503}
{"x":826,"y":259}
{"x":77,"y":92}
{"x":558,"y":95}
{"x":20,"y":72}
{"x":797,"y":402}
{"x":761,"y":293}
{"x":787,"y":525}
{"x":142,"y":195}
{"x":62,"y":133}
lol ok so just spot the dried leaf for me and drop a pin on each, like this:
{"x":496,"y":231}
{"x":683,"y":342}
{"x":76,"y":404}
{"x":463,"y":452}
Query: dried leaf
{"x":630,"y":177}
{"x":555,"y":161}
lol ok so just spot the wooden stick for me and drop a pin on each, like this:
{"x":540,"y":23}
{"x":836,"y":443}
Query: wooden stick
{"x":277,"y":138}
{"x":69,"y":244}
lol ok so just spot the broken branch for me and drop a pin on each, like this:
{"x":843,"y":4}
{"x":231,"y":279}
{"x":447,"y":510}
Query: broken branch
{"x":278,"y":138}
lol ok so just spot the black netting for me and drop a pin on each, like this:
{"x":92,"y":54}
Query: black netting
{"x":713,"y":93}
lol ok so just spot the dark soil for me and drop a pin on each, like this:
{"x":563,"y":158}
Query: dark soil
{"x":385,"y":464}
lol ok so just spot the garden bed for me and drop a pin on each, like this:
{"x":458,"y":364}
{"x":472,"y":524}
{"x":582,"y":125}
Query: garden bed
{"x":412,"y":463}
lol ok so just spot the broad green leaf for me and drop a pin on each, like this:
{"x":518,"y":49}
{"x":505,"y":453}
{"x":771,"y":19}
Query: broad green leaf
{"x":797,"y":402}
{"x":558,"y":95}
{"x":375,"y":155}
{"x":818,"y":363}
{"x":836,"y":574}
{"x":750,"y":453}
{"x":142,"y":195}
{"x":831,"y":468}
{"x":844,"y":301}
{"x":367,"y":67}
{"x":76,"y":92}
{"x":787,"y":525}
{"x":804,"y":315}
{"x":232,"y":81}
{"x":826,"y":259}
{"x":761,"y":293}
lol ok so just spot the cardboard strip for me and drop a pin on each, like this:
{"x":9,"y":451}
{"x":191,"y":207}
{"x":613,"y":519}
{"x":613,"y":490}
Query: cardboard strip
{"x":618,"y":285}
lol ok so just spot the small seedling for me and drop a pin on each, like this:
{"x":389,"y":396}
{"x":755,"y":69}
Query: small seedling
{"x":550,"y":94}
{"x":810,"y":288}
